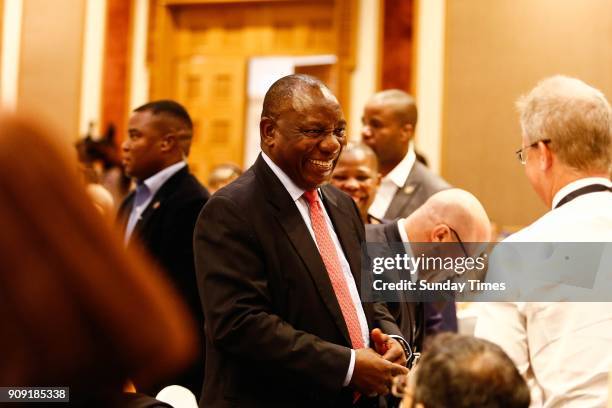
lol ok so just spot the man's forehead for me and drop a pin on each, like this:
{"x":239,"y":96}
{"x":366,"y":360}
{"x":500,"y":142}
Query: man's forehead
{"x":307,"y":98}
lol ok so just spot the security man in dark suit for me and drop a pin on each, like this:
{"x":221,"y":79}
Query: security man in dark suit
{"x":161,"y":213}
{"x":389,"y":122}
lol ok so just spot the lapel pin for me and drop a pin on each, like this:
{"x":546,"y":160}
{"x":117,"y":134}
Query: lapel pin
{"x":156,"y":205}
{"x":409,"y":189}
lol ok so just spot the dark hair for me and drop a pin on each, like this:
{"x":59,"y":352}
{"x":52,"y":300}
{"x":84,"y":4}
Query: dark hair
{"x":464,"y":371}
{"x":283,"y":91}
{"x":170,"y":108}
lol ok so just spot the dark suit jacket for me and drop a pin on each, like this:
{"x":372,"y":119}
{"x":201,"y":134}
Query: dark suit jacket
{"x":166,"y":231}
{"x":421,"y":184}
{"x":275,"y":332}
{"x":410,"y":316}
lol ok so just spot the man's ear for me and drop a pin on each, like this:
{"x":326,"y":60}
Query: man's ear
{"x":440,"y":233}
{"x":546,"y":157}
{"x":378,"y":179}
{"x":267,"y":131}
{"x":168,"y":142}
{"x":407,"y":132}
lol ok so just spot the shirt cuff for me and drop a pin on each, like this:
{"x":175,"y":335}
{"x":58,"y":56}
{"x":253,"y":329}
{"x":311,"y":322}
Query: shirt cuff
{"x":349,"y":372}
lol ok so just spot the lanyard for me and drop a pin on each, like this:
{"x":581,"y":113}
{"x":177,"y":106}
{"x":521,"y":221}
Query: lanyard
{"x":593,"y":188}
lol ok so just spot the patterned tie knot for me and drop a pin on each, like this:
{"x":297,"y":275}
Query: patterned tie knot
{"x":310,"y":196}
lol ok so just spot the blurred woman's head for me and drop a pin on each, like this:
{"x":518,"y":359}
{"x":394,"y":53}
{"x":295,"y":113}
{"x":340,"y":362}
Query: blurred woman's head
{"x":76,"y":309}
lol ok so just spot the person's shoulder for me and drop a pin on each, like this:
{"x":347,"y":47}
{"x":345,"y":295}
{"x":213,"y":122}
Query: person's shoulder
{"x":342,"y":199}
{"x":427,"y":177}
{"x":241,"y":191}
{"x":188,"y":188}
{"x":583,"y":219}
{"x":335,"y":192}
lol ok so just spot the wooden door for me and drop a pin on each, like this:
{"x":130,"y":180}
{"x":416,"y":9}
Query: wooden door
{"x":201,"y":51}
{"x":212,"y":90}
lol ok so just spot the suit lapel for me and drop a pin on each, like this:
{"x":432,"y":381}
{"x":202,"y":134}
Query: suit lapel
{"x":289,"y":217}
{"x":158,"y":200}
{"x":123,"y":215}
{"x":404,"y":196}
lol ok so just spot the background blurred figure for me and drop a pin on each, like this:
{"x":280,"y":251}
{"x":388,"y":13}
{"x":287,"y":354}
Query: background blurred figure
{"x":75,"y":309}
{"x":452,"y":215}
{"x":357,"y":175}
{"x":389,"y":121}
{"x":102,"y":163}
{"x":464,"y":372}
{"x":162,"y":212}
{"x":222,"y":175}
{"x":566,"y":150}
{"x":102,"y":199}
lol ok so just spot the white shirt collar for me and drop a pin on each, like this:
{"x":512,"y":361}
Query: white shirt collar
{"x":294,"y":191}
{"x":575,"y":185}
{"x":400,"y":173}
{"x":157,"y":180}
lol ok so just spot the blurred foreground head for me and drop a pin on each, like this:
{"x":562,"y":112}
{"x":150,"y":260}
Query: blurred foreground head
{"x":465,"y":372}
{"x":75,"y":309}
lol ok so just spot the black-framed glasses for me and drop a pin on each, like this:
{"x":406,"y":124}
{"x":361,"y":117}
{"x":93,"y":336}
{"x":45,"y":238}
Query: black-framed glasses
{"x":520,"y":153}
{"x":460,"y":242}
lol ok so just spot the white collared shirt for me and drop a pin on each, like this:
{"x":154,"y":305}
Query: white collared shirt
{"x":562,"y":348}
{"x":392,"y":182}
{"x":575,"y":185}
{"x":145,"y":193}
{"x":296,"y":194}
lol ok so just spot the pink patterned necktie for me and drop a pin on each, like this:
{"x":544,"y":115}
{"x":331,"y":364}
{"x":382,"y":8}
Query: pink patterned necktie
{"x":327,"y":249}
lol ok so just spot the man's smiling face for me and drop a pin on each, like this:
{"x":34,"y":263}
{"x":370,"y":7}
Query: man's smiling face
{"x":308,"y":136}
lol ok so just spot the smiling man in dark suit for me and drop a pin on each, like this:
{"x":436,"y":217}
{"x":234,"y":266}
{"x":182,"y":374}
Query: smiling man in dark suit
{"x":162,"y":212}
{"x":278,"y":256}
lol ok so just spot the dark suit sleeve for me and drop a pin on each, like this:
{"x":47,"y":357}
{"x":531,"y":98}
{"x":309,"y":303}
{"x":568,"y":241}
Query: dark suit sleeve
{"x":382,"y":317}
{"x":176,"y":249}
{"x":232,"y":277}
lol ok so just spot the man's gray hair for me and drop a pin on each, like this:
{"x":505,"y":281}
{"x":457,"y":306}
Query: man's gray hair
{"x":574,"y":116}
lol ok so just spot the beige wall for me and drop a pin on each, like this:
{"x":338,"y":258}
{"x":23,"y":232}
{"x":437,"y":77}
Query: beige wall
{"x":495,"y":51}
{"x":50,"y":63}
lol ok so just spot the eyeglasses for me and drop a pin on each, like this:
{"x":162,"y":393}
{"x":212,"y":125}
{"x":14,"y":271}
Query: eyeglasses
{"x":520,"y":153}
{"x":460,"y":242}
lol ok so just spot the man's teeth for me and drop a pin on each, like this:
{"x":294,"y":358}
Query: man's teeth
{"x":320,"y":163}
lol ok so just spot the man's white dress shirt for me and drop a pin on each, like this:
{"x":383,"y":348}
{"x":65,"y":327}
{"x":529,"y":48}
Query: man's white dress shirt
{"x":392,"y":182}
{"x":296,"y":194}
{"x":563,"y":349}
{"x":145,"y":192}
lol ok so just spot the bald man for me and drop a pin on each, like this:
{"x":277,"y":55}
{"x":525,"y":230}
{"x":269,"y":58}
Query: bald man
{"x":389,"y":122}
{"x":452,"y":215}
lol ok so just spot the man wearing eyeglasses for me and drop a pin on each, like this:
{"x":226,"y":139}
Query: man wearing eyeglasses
{"x":562,"y":349}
